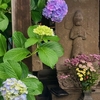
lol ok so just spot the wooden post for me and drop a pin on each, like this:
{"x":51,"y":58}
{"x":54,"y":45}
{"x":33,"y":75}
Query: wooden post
{"x":21,"y":20}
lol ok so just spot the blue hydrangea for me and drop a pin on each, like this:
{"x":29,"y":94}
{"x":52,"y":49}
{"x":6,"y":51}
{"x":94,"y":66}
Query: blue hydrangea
{"x":13,"y":89}
{"x":55,"y":10}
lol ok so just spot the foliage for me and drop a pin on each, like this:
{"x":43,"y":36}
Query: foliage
{"x":85,"y":68}
{"x":12,"y":67}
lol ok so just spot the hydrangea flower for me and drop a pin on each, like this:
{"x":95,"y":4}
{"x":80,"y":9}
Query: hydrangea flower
{"x":13,"y":89}
{"x":43,"y":30}
{"x":55,"y":10}
{"x":31,"y":76}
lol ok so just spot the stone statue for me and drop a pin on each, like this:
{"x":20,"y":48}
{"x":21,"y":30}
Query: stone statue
{"x":77,"y":34}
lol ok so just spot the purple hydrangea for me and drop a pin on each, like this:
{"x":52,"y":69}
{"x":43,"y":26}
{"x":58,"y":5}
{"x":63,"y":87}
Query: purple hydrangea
{"x":55,"y":10}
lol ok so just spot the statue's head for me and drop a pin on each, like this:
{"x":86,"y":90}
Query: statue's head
{"x":78,"y":18}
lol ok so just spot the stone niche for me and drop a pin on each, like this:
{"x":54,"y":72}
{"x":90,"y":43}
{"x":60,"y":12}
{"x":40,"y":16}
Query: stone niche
{"x":89,"y":10}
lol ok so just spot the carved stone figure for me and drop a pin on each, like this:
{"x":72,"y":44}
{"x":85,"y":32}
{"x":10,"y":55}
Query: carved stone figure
{"x":77,"y":34}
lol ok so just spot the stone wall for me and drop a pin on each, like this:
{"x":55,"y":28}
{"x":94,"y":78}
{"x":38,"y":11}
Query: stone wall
{"x":90,"y":26}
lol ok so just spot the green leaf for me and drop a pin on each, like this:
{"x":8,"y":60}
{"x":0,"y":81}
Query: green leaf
{"x":25,"y":70}
{"x":1,"y":98}
{"x":30,"y":97}
{"x":33,"y":4}
{"x":3,"y":6}
{"x":55,"y":46}
{"x":52,"y":38}
{"x":6,"y":1}
{"x":3,"y":45}
{"x":30,"y":31}
{"x":19,"y":39}
{"x":35,"y":87}
{"x":0,"y":1}
{"x":13,"y":69}
{"x":36,"y":16}
{"x":48,"y":56}
{"x":3,"y":22}
{"x":16,"y":54}
{"x":3,"y":74}
{"x":30,"y":42}
{"x":41,"y":4}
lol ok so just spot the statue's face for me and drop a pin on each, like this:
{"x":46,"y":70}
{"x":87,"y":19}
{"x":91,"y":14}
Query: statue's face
{"x":78,"y":18}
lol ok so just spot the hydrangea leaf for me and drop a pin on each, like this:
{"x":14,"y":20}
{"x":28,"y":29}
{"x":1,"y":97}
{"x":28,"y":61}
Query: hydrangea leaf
{"x":48,"y":56}
{"x":35,"y":87}
{"x":3,"y":22}
{"x":52,"y":38}
{"x":30,"y":42}
{"x":16,"y":54}
{"x":19,"y":39}
{"x":13,"y":69}
{"x":25,"y":70}
{"x":6,"y":1}
{"x":41,"y":4}
{"x":55,"y":46}
{"x":30,"y":31}
{"x":3,"y":45}
{"x":36,"y":16}
{"x":3,"y":75}
{"x":30,"y":97}
{"x":3,"y":6}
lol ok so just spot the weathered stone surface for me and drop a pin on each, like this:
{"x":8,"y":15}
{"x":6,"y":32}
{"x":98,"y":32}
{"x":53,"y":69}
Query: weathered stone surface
{"x":90,"y":13}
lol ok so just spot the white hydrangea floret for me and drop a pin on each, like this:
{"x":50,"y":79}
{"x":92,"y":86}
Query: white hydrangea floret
{"x":14,"y":89}
{"x":31,"y":76}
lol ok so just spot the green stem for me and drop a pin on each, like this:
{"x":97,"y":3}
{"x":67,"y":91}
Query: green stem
{"x":34,"y":52}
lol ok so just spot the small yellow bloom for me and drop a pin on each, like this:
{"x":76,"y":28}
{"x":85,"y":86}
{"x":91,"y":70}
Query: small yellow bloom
{"x":81,"y":79}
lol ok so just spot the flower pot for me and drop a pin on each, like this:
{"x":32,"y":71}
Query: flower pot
{"x":87,"y":95}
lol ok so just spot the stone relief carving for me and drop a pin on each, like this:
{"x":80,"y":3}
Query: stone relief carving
{"x":77,"y":34}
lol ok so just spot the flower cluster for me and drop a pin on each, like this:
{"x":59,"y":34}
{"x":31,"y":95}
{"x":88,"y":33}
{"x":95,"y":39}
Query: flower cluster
{"x":55,"y":10}
{"x":85,"y":68}
{"x":13,"y":89}
{"x":43,"y":30}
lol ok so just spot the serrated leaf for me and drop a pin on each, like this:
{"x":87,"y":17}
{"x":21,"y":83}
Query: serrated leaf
{"x":55,"y":46}
{"x":13,"y":69}
{"x":33,"y":5}
{"x":48,"y":56}
{"x":41,"y":4}
{"x":30,"y":31}
{"x":3,"y":74}
{"x":3,"y":22}
{"x":52,"y":38}
{"x":35,"y":87}
{"x":0,"y":1}
{"x":3,"y":45}
{"x":3,"y":6}
{"x":6,"y":1}
{"x":16,"y":54}
{"x":36,"y":16}
{"x":30,"y":97}
{"x":30,"y":42}
{"x":19,"y":39}
{"x":25,"y":70}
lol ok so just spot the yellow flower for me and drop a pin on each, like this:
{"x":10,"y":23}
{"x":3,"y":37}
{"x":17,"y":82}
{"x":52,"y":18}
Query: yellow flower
{"x":81,"y":79}
{"x":43,"y":30}
{"x":80,"y":75}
